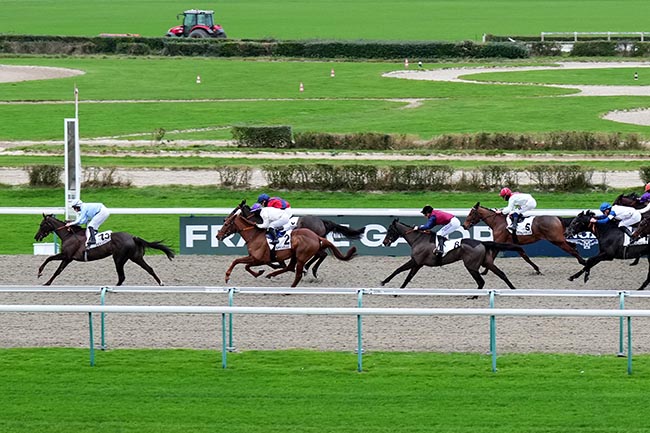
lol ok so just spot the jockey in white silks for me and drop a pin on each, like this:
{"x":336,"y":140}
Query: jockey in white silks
{"x":518,"y":204}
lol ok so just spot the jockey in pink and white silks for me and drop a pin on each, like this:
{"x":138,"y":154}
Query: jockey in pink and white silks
{"x":518,"y":204}
{"x":449,"y":223}
{"x":274,"y":219}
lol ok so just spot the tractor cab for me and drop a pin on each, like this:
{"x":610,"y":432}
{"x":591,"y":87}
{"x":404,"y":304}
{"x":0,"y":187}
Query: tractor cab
{"x":197,"y":24}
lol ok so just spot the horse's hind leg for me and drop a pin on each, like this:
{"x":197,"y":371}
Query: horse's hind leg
{"x":499,"y":273}
{"x":318,"y":258}
{"x":299,"y":268}
{"x":477,"y":277}
{"x":144,"y":265}
{"x":64,"y":263}
{"x":647,"y":278}
{"x":120,"y":261}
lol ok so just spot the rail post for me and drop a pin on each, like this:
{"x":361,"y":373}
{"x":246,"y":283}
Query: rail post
{"x":102,"y":301}
{"x":493,"y":334}
{"x":621,"y":305}
{"x":92,"y":341}
{"x":223,"y":340}
{"x":629,"y":345}
{"x":231,"y":301}
{"x":359,"y":333}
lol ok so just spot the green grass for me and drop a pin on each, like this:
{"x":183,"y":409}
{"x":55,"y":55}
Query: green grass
{"x":327,"y":19}
{"x":19,"y":239}
{"x":54,"y":390}
{"x":236,"y":92}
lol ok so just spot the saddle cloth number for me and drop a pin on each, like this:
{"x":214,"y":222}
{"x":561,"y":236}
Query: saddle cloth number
{"x":451,"y":244}
{"x":524,"y":226}
{"x":284,"y":242}
{"x":102,"y":238}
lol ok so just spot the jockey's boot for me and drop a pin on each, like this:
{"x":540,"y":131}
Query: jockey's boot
{"x":91,"y":239}
{"x":513,"y":227}
{"x":628,"y":231}
{"x":441,"y":245}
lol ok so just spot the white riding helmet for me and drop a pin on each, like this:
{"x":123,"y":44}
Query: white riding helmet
{"x":76,"y":203}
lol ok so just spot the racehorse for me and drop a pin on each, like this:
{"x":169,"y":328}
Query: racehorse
{"x":545,"y":227}
{"x":473,"y":253}
{"x":305,"y":244}
{"x":122,"y":246}
{"x":317,"y":225}
{"x":611,"y":244}
{"x":322,"y":227}
{"x":631,"y":200}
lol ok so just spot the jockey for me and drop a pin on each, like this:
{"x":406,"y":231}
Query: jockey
{"x":437,"y":217}
{"x":276,"y":202}
{"x":518,"y":204}
{"x":645,"y":198}
{"x":625,"y":215}
{"x":274,"y":219}
{"x":94,"y":213}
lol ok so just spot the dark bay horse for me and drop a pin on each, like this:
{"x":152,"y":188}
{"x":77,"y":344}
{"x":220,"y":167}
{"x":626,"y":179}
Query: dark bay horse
{"x":122,"y":246}
{"x":305,"y":244}
{"x":544,"y":227}
{"x":610,"y":244}
{"x":630,"y":200}
{"x":473,"y":253}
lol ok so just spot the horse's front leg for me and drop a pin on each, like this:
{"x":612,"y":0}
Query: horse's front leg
{"x":64,"y":262}
{"x":250,"y":260}
{"x":254,"y":273}
{"x":406,"y":266}
{"x":47,"y":260}
{"x":410,"y":276}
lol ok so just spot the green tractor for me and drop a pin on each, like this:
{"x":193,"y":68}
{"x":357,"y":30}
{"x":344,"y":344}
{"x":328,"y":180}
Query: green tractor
{"x":197,"y":24}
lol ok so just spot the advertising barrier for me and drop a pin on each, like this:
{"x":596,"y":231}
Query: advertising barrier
{"x":198,"y":236}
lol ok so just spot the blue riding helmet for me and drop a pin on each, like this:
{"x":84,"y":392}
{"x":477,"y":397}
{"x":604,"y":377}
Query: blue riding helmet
{"x":262,"y":197}
{"x":605,"y":206}
{"x":256,"y":207}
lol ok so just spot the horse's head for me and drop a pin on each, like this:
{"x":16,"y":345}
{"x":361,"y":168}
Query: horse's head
{"x":631,"y":200}
{"x":579,"y":224}
{"x":473,"y":217}
{"x":229,"y":227}
{"x":392,"y":234}
{"x":48,"y":225}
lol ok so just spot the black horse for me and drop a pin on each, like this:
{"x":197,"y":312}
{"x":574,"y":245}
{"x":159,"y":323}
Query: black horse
{"x":610,"y":243}
{"x":473,"y":253}
{"x":631,"y":200}
{"x":321,"y":227}
{"x":122,"y":246}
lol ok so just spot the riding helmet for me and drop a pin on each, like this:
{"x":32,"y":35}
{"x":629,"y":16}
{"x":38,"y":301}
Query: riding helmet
{"x":647,"y":187}
{"x":427,"y":209}
{"x":76,"y":203}
{"x":505,"y":192}
{"x":262,"y":198}
{"x":605,"y":206}
{"x":256,"y":207}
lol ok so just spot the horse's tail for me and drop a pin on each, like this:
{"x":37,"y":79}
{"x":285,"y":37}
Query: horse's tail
{"x":156,"y":245}
{"x":331,"y":226}
{"x":502,"y":246}
{"x":337,"y":253}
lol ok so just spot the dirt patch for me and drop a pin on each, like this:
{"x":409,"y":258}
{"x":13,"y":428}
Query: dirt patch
{"x":442,"y":334}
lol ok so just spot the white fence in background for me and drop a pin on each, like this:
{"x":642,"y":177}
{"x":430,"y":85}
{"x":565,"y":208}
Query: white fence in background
{"x":227,"y":312}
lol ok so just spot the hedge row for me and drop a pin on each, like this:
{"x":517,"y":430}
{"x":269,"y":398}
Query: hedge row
{"x":358,"y":177}
{"x":282,"y":137}
{"x":138,"y":46}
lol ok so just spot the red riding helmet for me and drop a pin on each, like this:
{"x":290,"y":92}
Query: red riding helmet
{"x":505,"y":192}
{"x":647,"y":187}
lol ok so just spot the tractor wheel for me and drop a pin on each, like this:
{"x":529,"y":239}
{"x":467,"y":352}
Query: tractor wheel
{"x":221,"y":35}
{"x":198,"y":33}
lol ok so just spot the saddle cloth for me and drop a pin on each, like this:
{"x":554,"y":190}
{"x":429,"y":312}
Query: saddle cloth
{"x":450,"y":244}
{"x":524,"y":226}
{"x":101,"y":239}
{"x":284,"y":241}
{"x":640,"y":241}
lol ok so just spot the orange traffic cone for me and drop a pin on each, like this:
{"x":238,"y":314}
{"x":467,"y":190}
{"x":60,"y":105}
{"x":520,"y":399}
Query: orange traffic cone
{"x":332,"y":73}
{"x":198,"y":79}
{"x":302,"y":88}
{"x":406,"y":63}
